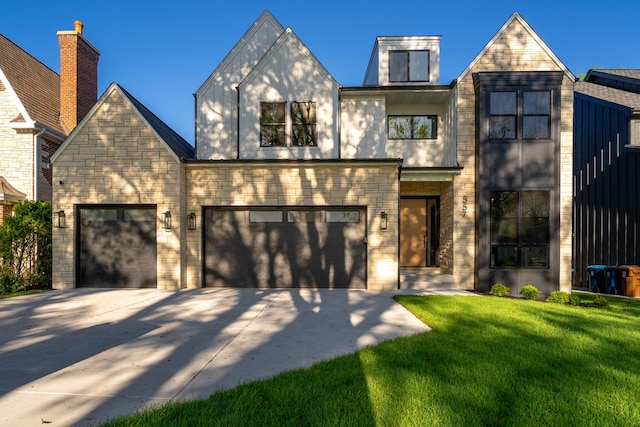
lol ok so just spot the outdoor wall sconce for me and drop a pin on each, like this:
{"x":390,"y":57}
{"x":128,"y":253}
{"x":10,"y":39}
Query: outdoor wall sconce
{"x":191,"y":221}
{"x":166,"y":220}
{"x":383,"y":220}
{"x":61,"y":219}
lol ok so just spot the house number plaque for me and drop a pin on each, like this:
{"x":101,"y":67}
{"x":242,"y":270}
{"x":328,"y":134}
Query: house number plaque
{"x":464,"y":206}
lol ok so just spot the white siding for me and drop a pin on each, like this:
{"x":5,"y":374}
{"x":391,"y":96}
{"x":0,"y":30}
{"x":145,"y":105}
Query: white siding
{"x":363,"y":129}
{"x":217,"y":99}
{"x":289,"y":72}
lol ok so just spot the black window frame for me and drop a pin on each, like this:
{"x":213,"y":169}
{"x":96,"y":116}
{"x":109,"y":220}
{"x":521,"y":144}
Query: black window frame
{"x":520,"y":228}
{"x":268,"y":124}
{"x":520,"y":117}
{"x":412,"y":117}
{"x":303,"y":126}
{"x":407,"y":65}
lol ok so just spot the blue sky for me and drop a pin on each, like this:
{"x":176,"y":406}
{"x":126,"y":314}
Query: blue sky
{"x":162,"y":51}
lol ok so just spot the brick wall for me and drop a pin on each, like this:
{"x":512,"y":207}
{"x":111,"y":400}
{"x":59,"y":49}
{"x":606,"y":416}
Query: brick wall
{"x":78,"y":77}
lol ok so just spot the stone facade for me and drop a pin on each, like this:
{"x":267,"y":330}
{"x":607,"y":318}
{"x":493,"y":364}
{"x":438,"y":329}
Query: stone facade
{"x":373,"y":185}
{"x":117,"y":159}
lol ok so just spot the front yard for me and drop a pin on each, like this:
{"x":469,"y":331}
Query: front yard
{"x":487,"y":361}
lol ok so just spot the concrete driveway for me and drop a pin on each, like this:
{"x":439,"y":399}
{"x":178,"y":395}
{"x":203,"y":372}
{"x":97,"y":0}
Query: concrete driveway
{"x":82,"y":356}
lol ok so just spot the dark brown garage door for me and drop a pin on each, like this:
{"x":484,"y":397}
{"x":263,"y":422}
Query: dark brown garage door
{"x":285,"y":247}
{"x":117,"y":247}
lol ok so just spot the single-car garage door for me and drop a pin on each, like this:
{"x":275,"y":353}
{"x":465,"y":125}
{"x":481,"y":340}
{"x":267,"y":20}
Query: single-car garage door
{"x":117,"y":247}
{"x":285,"y":247}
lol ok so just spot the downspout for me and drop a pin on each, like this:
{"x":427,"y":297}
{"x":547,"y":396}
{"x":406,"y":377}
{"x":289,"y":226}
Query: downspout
{"x":237,"y":122}
{"x":36,"y":163}
{"x":340,"y":122}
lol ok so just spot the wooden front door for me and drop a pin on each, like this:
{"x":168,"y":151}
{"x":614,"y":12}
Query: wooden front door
{"x":419,"y":232}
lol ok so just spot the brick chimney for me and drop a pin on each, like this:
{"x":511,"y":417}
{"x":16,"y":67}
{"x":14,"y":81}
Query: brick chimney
{"x":78,"y":76}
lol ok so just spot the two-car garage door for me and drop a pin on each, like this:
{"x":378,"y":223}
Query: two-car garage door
{"x":285,"y":247}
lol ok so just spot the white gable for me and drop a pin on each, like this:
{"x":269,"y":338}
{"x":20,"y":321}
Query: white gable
{"x":289,"y":72}
{"x":216,"y":99}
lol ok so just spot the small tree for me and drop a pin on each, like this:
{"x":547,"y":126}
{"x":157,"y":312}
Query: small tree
{"x":25,"y":248}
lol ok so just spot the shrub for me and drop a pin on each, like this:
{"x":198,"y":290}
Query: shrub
{"x":558,"y":297}
{"x":530,"y":292}
{"x":574,"y":299}
{"x":25,"y":248}
{"x":499,"y":290}
{"x":600,"y":302}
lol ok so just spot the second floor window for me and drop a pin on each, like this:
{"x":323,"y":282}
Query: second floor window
{"x":520,"y":115}
{"x":408,"y":66}
{"x":412,"y":127}
{"x":273,"y":124}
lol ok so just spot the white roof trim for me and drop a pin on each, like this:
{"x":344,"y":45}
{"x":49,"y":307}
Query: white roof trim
{"x":14,"y":96}
{"x":532,"y":33}
{"x":238,"y":47}
{"x":113,"y":87}
{"x":287,"y":34}
{"x":8,"y":193}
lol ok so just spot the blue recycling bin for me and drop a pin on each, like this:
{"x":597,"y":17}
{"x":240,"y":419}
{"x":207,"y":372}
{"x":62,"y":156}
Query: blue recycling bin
{"x":596,"y":277}
{"x":613,"y":282}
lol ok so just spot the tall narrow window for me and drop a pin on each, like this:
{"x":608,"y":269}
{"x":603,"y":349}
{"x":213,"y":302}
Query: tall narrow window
{"x":503,"y":111}
{"x":536,"y":118}
{"x":520,"y":229}
{"x":409,"y":66}
{"x":272,"y":124}
{"x":303,"y":124}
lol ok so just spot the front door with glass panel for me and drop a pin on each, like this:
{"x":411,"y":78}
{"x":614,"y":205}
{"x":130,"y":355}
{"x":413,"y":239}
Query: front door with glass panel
{"x":419,"y":232}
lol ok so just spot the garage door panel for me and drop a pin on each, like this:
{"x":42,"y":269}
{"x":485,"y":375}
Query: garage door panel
{"x":285,"y":248}
{"x":117,"y":248}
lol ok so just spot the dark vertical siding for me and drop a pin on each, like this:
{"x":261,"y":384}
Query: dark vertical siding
{"x":605,"y":200}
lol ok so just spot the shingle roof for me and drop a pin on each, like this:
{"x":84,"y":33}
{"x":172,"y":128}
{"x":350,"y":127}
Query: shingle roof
{"x":35,"y":84}
{"x":616,"y":96}
{"x":629,"y":73}
{"x":177,"y":143}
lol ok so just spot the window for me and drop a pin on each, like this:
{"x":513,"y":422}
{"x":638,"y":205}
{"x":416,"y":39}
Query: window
{"x":520,"y":115}
{"x":520,"y":229}
{"x":409,"y":66}
{"x":303,"y":123}
{"x":273,"y":124}
{"x":412,"y":127}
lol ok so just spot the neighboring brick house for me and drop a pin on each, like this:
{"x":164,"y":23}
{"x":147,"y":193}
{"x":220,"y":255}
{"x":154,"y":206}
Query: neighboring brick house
{"x":296,"y":181}
{"x":606,"y":171}
{"x":38,"y":108}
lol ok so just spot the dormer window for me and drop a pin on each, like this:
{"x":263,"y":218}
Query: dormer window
{"x":408,"y":66}
{"x":302,"y":124}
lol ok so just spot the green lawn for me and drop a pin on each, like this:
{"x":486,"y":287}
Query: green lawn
{"x":487,"y":362}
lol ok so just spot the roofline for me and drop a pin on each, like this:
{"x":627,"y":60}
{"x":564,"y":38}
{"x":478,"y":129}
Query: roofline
{"x":112,"y":87}
{"x":632,"y":110}
{"x":12,"y":93}
{"x":533,"y":34}
{"x":399,"y":88}
{"x":288,"y":32}
{"x":42,"y":63}
{"x":271,"y":162}
{"x":266,"y":14}
{"x":607,"y":73}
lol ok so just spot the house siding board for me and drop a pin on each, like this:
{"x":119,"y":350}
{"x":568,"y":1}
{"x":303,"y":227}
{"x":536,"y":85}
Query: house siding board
{"x":289,"y":73}
{"x":606,"y":228}
{"x":363,"y":128}
{"x":217,"y":99}
{"x":97,"y":167}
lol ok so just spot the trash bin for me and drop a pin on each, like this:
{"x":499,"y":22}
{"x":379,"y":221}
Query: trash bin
{"x":630,"y":276}
{"x":596,"y":277}
{"x":613,"y":284}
